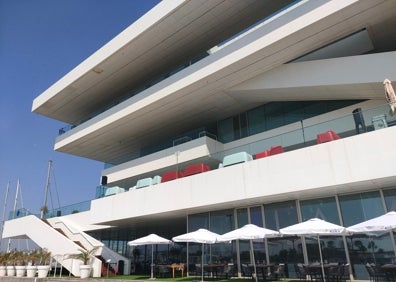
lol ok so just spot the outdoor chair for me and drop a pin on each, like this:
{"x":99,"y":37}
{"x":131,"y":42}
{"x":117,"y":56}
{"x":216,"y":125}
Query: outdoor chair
{"x":226,"y":271}
{"x":279,"y":271}
{"x":314,"y":271}
{"x":156,"y":179}
{"x":300,"y":271}
{"x":327,"y":136}
{"x":195,"y":169}
{"x":371,"y":272}
{"x":163,"y":271}
{"x":376,"y":274}
{"x":198,"y":271}
{"x":359,"y":121}
{"x":171,"y":175}
{"x":262,"y":154}
{"x":236,"y":159}
{"x":141,"y":183}
{"x":345,"y":272}
{"x":114,"y":190}
{"x":246,"y":271}
{"x":334,"y":272}
{"x":274,"y":150}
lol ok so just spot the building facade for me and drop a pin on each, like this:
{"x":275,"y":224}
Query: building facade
{"x":215,"y":114}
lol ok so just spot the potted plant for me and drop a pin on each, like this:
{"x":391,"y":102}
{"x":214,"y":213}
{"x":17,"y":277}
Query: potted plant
{"x":11,"y":264}
{"x":85,"y":257}
{"x":3,"y":264}
{"x":31,"y":267}
{"x":20,"y":263}
{"x":43,"y":266}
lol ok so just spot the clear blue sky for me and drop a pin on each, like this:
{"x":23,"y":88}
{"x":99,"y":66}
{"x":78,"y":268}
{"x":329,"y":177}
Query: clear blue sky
{"x":40,"y":41}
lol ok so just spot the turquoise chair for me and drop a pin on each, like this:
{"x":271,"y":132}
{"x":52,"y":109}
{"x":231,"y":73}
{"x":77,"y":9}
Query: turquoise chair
{"x":114,"y":190}
{"x":141,"y":183}
{"x":236,"y":158}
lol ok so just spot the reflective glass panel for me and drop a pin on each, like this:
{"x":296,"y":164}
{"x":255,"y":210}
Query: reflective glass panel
{"x":288,"y":249}
{"x":256,"y":218}
{"x":325,"y":208}
{"x":256,"y":120}
{"x":359,"y":207}
{"x":225,"y":130}
{"x":365,"y":248}
{"x":390,"y":199}
{"x":332,"y":246}
{"x":222,"y":222}
{"x":280,"y":215}
{"x":244,"y":246}
{"x":196,"y":222}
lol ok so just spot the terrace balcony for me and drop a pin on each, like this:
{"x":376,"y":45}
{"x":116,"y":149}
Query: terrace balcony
{"x":344,"y":122}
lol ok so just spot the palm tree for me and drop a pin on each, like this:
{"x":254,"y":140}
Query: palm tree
{"x":43,"y":256}
{"x":84,"y":255}
{"x":4,"y":258}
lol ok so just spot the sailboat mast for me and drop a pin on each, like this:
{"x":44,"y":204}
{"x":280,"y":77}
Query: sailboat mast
{"x":14,"y":211}
{"x":4,"y":212}
{"x":15,"y":200}
{"x":44,"y":207}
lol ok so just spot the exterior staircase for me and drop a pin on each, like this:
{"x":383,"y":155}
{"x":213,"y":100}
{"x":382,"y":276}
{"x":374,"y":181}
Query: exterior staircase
{"x":63,"y":239}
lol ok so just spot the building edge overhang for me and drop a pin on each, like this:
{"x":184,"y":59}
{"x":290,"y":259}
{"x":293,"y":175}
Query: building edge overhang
{"x":163,"y":39}
{"x":219,"y":64}
{"x":141,"y":25}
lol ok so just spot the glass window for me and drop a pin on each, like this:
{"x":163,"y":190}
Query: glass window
{"x":274,"y":115}
{"x":256,"y":218}
{"x":280,"y":215}
{"x":222,"y":222}
{"x":325,"y":208}
{"x":288,"y":249}
{"x":243,"y":125}
{"x":256,"y":120}
{"x":294,"y":111}
{"x":196,"y":222}
{"x":360,"y":207}
{"x":390,"y":199}
{"x":244,"y":246}
{"x":332,"y":246}
{"x":225,"y":130}
{"x":242,"y":217}
{"x":315,"y":108}
{"x":364,"y":248}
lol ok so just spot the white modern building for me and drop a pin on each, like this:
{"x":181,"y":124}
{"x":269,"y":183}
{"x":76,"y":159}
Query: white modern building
{"x":183,"y":108}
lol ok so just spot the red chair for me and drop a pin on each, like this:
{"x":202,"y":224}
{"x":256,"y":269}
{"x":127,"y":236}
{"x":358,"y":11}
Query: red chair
{"x":276,"y":150}
{"x":262,"y":154}
{"x":327,"y":137}
{"x":171,"y":175}
{"x":195,"y":168}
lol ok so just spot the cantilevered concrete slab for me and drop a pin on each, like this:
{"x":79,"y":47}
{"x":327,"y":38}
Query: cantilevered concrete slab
{"x":199,"y":94}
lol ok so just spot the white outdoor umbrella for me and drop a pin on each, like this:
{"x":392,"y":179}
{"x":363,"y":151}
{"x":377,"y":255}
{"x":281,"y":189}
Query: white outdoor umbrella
{"x":315,"y":226}
{"x":202,"y":236}
{"x":248,"y":232}
{"x":381,"y":223}
{"x":152,"y":240}
{"x":390,"y":95}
